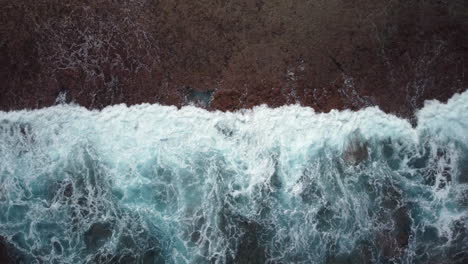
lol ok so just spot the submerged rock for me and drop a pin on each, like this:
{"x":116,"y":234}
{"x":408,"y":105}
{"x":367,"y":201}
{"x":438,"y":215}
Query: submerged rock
{"x":458,"y":250}
{"x":356,"y":150}
{"x":97,"y":235}
{"x":4,"y":254}
{"x":199,"y":98}
{"x":394,"y":238}
{"x":8,"y":254}
{"x":244,"y":236}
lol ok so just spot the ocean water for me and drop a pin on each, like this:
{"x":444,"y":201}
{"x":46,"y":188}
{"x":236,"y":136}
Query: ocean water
{"x":157,"y":184}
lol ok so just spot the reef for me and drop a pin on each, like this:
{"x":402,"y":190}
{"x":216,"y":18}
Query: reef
{"x":229,"y":55}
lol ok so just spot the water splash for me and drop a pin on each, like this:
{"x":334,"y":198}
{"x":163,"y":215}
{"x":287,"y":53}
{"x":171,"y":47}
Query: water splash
{"x":154,"y":184}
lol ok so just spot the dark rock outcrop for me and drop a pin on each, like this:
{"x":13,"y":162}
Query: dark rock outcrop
{"x":4,"y":255}
{"x":324,"y":54}
{"x":356,"y":150}
{"x":8,"y":254}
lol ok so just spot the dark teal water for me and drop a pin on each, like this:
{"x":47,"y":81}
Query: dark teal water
{"x":153,"y":184}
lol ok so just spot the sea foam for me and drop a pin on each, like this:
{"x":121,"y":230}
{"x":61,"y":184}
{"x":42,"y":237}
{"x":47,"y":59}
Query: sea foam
{"x":157,"y":184}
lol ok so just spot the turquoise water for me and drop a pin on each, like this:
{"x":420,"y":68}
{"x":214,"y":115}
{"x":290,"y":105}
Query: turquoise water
{"x":154,"y":184}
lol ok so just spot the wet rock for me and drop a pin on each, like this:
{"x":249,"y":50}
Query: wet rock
{"x":97,"y":235}
{"x":68,"y":190}
{"x":311,"y":193}
{"x":4,"y":254}
{"x":356,"y":151}
{"x":395,"y":55}
{"x":326,"y":221}
{"x":394,"y":242}
{"x":458,"y":250}
{"x":199,"y":98}
{"x":394,"y":239}
{"x":60,"y":190}
{"x":244,"y":236}
{"x":249,"y":250}
{"x":8,"y":254}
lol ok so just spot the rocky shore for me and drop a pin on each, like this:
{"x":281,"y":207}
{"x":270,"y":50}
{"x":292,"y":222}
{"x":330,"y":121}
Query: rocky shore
{"x":229,"y":55}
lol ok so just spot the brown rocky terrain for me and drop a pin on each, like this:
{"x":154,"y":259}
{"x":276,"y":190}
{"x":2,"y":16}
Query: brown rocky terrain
{"x":219,"y":54}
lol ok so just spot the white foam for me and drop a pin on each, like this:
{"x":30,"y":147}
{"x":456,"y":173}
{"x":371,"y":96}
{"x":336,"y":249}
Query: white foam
{"x":211,"y":157}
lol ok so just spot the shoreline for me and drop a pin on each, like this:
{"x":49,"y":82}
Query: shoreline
{"x":229,"y":56}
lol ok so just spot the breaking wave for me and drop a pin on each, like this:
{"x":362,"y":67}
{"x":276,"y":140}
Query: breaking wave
{"x":157,"y":184}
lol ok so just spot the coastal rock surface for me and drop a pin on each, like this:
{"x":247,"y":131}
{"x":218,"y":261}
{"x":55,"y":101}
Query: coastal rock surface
{"x":229,"y":55}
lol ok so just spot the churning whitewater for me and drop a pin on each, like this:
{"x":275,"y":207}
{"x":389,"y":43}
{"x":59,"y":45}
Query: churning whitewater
{"x":157,"y":184}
